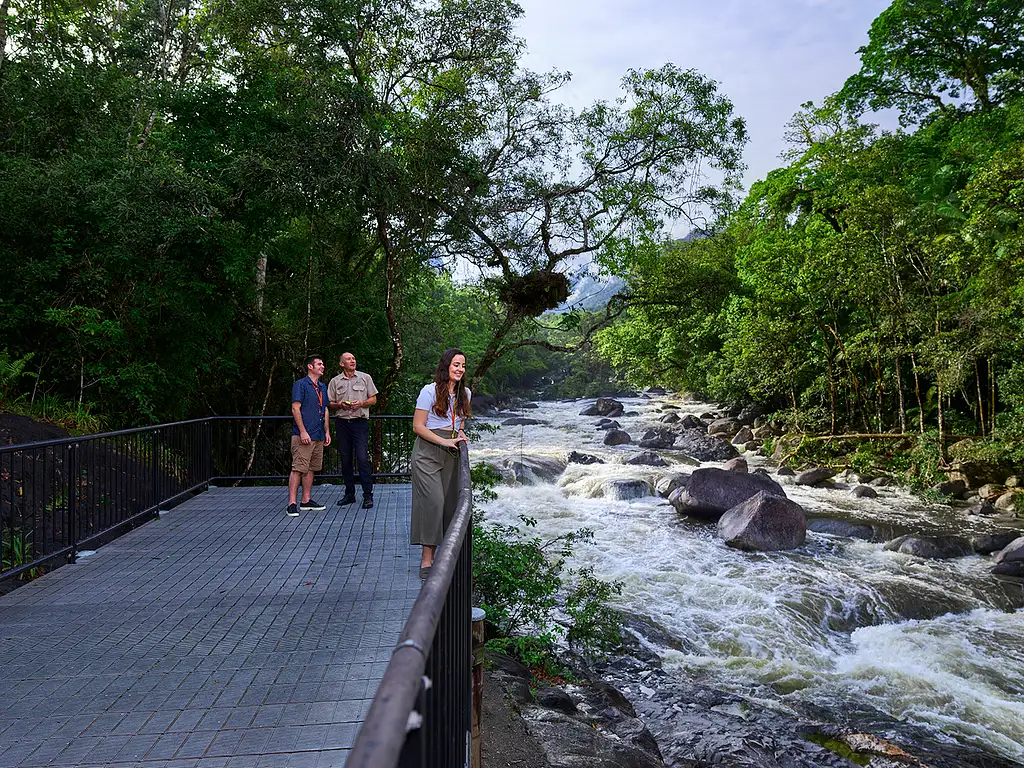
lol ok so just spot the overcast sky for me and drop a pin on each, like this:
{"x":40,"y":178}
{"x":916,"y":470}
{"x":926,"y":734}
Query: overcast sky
{"x":769,"y":56}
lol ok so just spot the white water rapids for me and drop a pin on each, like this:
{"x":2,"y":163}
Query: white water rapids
{"x":838,"y":625}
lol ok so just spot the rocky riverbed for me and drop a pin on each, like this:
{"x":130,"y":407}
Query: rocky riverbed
{"x":833,"y":651}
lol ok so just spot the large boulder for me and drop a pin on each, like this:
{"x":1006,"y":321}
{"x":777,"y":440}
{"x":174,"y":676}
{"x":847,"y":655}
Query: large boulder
{"x":669,"y":483}
{"x":617,"y":437}
{"x":703,"y":447}
{"x":956,"y":489}
{"x":692,"y":422}
{"x":988,"y":543}
{"x":739,"y":464}
{"x":517,"y":421}
{"x":931,"y":547}
{"x":671,"y":418}
{"x":711,"y":491}
{"x":814,"y":476}
{"x":863,"y":492}
{"x":723,"y":427}
{"x":531,"y":470}
{"x":1012,"y":552}
{"x":983,"y":507}
{"x":607,"y":406}
{"x":764,"y":523}
{"x":842,"y":528}
{"x":609,"y":424}
{"x":584,"y":458}
{"x":647,"y":459}
{"x":658,"y":439}
{"x":1007,"y":502}
{"x":743,"y":437}
{"x":624,"y":490}
{"x":1014,"y":568}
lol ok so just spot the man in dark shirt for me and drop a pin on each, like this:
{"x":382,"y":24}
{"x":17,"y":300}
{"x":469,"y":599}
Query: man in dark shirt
{"x":311,"y":433}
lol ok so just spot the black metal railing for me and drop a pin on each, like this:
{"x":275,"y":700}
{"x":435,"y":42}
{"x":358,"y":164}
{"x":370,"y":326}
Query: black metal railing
{"x":422,"y":714}
{"x":59,"y":497}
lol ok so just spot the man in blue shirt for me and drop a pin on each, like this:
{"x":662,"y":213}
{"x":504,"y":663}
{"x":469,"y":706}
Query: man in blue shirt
{"x":311,"y":433}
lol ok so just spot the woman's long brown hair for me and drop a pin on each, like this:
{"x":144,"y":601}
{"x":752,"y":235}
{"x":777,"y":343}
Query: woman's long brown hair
{"x":441,"y":387}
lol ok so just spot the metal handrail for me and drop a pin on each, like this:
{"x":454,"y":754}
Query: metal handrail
{"x":396,"y":730}
{"x":58,"y":497}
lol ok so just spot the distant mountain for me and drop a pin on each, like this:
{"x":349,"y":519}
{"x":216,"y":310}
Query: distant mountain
{"x":591,"y":293}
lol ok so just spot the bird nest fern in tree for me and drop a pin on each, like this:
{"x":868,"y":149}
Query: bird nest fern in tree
{"x":534,"y":293}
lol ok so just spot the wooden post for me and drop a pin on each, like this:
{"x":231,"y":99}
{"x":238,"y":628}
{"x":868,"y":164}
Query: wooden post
{"x":478,"y":685}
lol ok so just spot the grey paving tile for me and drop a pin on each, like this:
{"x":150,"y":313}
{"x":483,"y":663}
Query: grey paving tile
{"x":224,"y":635}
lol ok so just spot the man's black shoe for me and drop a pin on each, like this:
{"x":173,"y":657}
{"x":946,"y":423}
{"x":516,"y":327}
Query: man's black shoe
{"x":346,"y":500}
{"x":367,"y":502}
{"x":311,"y":506}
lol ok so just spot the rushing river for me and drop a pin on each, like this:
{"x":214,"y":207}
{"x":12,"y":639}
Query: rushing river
{"x":839,"y":625}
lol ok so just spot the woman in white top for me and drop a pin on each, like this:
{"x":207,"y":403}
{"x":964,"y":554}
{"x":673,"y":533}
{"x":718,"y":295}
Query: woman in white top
{"x":441,"y":412}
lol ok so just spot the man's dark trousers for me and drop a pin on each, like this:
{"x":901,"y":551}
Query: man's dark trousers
{"x":353,"y":437}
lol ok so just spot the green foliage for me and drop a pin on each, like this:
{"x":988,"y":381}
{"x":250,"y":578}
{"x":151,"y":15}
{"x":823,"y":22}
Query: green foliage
{"x":484,"y":477}
{"x":11,"y":372}
{"x":519,"y":579}
{"x":16,"y":550}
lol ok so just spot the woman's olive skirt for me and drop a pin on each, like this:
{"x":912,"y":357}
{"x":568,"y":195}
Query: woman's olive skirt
{"x":435,"y":490}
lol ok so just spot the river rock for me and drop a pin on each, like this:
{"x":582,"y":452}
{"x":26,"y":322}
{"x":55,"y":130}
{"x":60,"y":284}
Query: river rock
{"x":764,"y":523}
{"x":743,"y":437}
{"x":607,"y":406}
{"x":931,"y":547}
{"x":672,"y":418}
{"x":880,"y":482}
{"x":990,"y":491}
{"x":762,"y":432}
{"x":1015,"y":569}
{"x":752,"y":445}
{"x":750,"y":414}
{"x":863,"y":492}
{"x":1007,"y":502}
{"x":692,"y":422}
{"x":1012,"y":552}
{"x":669,"y":483}
{"x":703,"y":447}
{"x":954,"y":488}
{"x":983,"y":507}
{"x":814,"y":476}
{"x":624,"y":490}
{"x":647,"y":459}
{"x":617,"y":437}
{"x":990,"y":543}
{"x":708,"y":416}
{"x":556,"y":699}
{"x":1012,"y":481}
{"x":609,"y":424}
{"x":584,"y":458}
{"x":655,"y":391}
{"x":723,"y":427}
{"x":658,"y":439}
{"x":739,"y":464}
{"x":531,"y":470}
{"x":711,"y":491}
{"x":842,"y":528}
{"x":520,"y":421}
{"x":670,"y":407}
{"x":785,"y":472}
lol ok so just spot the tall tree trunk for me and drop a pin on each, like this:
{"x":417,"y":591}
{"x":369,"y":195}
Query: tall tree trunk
{"x":398,"y":352}
{"x":494,"y":351}
{"x":832,"y":399}
{"x":5,"y":6}
{"x":309,"y":305}
{"x":917,"y":393}
{"x":899,"y":395}
{"x":942,"y":419}
{"x":261,"y":282}
{"x":981,"y":399}
{"x":992,"y":388}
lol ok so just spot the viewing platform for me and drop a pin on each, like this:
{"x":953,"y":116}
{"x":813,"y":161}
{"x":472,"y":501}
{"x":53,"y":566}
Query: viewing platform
{"x":220,"y":632}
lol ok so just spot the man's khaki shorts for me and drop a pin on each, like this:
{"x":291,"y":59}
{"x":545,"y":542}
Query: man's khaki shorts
{"x":307,"y":458}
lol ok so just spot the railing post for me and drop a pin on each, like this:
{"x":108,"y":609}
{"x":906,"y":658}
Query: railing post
{"x":72,"y":521}
{"x":155,"y":469}
{"x":208,"y":448}
{"x":478,"y":684}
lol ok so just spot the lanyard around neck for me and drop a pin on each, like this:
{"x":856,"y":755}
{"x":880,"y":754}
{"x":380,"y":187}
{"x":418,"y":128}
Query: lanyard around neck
{"x":319,"y":394}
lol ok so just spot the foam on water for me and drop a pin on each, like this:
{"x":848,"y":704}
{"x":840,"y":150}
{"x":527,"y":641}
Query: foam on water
{"x":936,"y":643}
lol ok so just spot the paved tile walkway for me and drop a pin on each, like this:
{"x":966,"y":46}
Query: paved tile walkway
{"x":224,"y":634}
